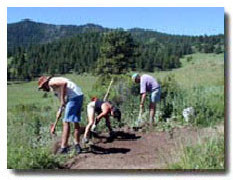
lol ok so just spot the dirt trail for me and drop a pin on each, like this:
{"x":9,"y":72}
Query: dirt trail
{"x":138,"y":150}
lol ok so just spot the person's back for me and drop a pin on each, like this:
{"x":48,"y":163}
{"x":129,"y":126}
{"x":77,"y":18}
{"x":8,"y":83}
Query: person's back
{"x":148,"y":84}
{"x":98,"y":105}
{"x":72,"y":89}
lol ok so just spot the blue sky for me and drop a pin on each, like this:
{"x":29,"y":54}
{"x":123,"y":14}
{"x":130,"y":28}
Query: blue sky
{"x":174,"y":20}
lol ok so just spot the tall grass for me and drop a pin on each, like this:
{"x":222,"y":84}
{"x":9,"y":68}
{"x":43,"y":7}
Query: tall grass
{"x":205,"y":155}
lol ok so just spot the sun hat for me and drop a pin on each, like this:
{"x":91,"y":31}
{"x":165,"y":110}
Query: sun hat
{"x":134,"y":76}
{"x":42,"y":80}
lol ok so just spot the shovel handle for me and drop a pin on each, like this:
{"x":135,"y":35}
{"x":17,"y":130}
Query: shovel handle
{"x":107,"y":93}
{"x":54,"y":125}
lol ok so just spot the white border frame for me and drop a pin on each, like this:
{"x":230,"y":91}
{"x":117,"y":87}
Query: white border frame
{"x":10,"y":174}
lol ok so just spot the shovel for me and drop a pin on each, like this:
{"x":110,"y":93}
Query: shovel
{"x":139,"y":120}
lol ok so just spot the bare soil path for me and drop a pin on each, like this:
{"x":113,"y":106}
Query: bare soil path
{"x":140,"y":150}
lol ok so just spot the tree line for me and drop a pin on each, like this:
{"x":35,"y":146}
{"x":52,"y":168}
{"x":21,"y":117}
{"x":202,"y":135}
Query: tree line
{"x":113,"y":52}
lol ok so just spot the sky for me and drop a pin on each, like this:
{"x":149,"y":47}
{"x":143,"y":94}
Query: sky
{"x":173,"y":20}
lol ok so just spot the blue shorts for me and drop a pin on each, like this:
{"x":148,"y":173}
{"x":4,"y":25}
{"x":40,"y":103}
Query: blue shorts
{"x":155,"y":95}
{"x":73,"y":110}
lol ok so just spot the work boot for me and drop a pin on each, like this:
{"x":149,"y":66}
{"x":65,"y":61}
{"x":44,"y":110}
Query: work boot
{"x":64,"y":150}
{"x":78,"y":148}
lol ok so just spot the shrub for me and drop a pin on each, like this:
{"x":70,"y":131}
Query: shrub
{"x":208,"y":103}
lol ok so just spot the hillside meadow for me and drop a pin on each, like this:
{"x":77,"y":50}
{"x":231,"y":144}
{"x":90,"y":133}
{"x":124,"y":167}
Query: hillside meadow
{"x":198,"y":83}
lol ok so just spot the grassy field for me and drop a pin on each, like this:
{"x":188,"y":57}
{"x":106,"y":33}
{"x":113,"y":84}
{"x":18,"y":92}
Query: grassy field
{"x":198,"y":83}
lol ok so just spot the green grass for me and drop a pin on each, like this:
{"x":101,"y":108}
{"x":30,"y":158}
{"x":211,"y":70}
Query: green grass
{"x":205,"y":155}
{"x":203,"y":70}
{"x":200,"y":81}
{"x":27,"y":93}
{"x":201,"y":85}
{"x":30,"y":113}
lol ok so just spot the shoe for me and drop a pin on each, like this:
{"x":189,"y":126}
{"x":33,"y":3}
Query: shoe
{"x":112,"y":134}
{"x":78,"y":148}
{"x":93,"y":128}
{"x":85,"y":140}
{"x":64,"y":150}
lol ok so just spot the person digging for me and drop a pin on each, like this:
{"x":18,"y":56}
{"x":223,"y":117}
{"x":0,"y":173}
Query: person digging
{"x":71,"y":100}
{"x":148,"y":85}
{"x":103,"y":110}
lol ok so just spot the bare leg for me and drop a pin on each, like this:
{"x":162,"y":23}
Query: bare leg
{"x":152,"y":112}
{"x":65,"y":134}
{"x":91,"y":118}
{"x":76,"y":133}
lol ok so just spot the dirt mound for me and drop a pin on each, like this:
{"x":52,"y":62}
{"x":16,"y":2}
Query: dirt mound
{"x":137,"y":150}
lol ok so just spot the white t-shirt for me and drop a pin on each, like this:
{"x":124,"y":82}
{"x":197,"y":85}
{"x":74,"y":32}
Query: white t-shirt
{"x":72,"y":90}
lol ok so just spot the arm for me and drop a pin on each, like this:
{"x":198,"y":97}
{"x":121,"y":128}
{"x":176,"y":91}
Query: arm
{"x":143,"y":98}
{"x":63,"y":93}
{"x":62,"y":86}
{"x":143,"y":93}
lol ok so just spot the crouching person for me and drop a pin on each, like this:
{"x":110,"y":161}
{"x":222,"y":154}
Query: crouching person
{"x":71,"y":100}
{"x":103,"y":110}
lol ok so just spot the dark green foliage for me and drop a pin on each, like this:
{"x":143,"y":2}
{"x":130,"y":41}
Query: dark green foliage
{"x":209,"y":44}
{"x":26,"y":33}
{"x":65,"y":49}
{"x":116,"y":53}
{"x":208,"y":48}
{"x":218,"y":49}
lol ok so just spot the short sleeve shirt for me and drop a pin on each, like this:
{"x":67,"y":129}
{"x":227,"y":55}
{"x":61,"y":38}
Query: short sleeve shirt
{"x":148,"y":84}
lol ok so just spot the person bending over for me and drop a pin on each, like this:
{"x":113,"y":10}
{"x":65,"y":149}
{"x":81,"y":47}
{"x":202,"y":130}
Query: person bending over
{"x":71,"y":100}
{"x":103,"y":110}
{"x":148,"y":85}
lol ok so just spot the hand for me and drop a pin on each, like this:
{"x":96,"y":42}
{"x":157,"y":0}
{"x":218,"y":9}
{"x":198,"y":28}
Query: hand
{"x":52,"y":129}
{"x":96,"y":120}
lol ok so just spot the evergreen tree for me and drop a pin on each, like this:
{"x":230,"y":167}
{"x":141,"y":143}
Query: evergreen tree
{"x":116,"y":53}
{"x":218,"y":49}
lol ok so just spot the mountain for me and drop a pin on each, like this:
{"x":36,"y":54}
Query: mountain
{"x":39,"y":48}
{"x":28,"y":32}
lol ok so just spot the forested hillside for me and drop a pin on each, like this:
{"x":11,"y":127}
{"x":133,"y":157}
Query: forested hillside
{"x":28,"y":32}
{"x":37,"y":48}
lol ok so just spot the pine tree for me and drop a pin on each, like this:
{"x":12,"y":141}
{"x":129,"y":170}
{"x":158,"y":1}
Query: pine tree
{"x":116,"y":53}
{"x":218,"y":49}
